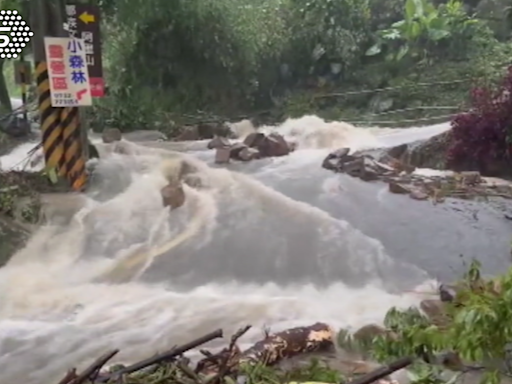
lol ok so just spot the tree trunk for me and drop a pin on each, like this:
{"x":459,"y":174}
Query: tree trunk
{"x":5,"y":100}
{"x":274,"y":348}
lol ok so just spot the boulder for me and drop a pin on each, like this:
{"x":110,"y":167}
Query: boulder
{"x":353,"y":167}
{"x":111,"y":135}
{"x":222,"y":155}
{"x":447,"y":293}
{"x":248,"y":154}
{"x":282,"y":142}
{"x":255,"y":146}
{"x":398,"y":188}
{"x":218,"y":142}
{"x":369,"y":174}
{"x":339,"y":154}
{"x":254,"y":139}
{"x":418,"y":194}
{"x":429,"y":153}
{"x":364,"y":168}
{"x":397,"y":152}
{"x":235,"y":150}
{"x":173,"y":195}
{"x":273,"y":146}
{"x":396,"y":165}
{"x":335,"y":160}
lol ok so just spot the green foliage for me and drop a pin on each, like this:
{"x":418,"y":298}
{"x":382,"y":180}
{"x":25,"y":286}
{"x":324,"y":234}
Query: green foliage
{"x":9,"y":204}
{"x":326,"y":31}
{"x":314,"y":370}
{"x":424,"y":28}
{"x":233,"y":57}
{"x":476,"y":326}
{"x":192,"y":54}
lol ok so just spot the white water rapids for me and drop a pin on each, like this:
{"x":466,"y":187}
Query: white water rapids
{"x":264,"y":249}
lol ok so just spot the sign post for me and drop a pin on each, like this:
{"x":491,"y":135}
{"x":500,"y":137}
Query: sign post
{"x":84,"y":23}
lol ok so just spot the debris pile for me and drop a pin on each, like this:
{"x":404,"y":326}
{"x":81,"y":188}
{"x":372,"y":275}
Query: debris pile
{"x":230,"y":364}
{"x":401,"y":178}
{"x":256,"y":145}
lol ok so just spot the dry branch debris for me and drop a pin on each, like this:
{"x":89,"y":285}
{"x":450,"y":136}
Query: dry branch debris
{"x":216,"y":368}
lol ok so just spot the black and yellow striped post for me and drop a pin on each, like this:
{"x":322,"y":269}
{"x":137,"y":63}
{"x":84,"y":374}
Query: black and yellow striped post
{"x":53,"y":142}
{"x":74,"y":157}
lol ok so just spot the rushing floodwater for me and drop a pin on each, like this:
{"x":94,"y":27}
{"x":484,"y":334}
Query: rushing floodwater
{"x":277,"y":242}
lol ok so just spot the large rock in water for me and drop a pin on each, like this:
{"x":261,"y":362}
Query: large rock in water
{"x":432,"y":153}
{"x":111,"y":135}
{"x":173,"y":195}
{"x":425,"y":154}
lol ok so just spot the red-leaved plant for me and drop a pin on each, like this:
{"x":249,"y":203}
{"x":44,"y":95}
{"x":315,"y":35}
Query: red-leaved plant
{"x":484,"y":133}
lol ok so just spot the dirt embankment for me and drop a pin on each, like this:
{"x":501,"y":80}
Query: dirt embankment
{"x":20,"y":208}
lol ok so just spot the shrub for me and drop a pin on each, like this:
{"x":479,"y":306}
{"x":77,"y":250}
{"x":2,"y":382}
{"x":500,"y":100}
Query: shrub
{"x":326,"y":31}
{"x":484,"y":133}
{"x":428,"y":32}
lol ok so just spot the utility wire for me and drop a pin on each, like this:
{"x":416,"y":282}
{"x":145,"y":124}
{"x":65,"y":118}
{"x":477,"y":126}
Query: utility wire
{"x":442,"y":117}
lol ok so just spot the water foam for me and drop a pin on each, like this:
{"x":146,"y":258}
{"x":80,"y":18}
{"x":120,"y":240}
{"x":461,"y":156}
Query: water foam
{"x":57,"y":309}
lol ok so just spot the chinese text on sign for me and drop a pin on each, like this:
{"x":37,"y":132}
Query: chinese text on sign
{"x":67,"y":72}
{"x":84,"y":23}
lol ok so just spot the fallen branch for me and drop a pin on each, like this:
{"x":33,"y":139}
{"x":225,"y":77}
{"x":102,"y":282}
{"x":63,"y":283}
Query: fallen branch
{"x":166,"y":356}
{"x":223,"y":362}
{"x":70,"y":375}
{"x":384,"y":371}
{"x":91,"y":370}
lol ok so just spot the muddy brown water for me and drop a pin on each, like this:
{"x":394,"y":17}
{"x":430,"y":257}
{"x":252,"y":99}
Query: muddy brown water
{"x":276,"y":243}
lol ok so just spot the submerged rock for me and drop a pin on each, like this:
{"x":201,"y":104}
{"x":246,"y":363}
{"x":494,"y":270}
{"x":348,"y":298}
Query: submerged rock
{"x":273,"y":145}
{"x":111,"y":135}
{"x":334,"y":161}
{"x":398,"y":188}
{"x":218,"y":142}
{"x":173,"y":196}
{"x":222,"y":155}
{"x":255,"y":146}
{"x":248,"y":154}
{"x":254,"y":139}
